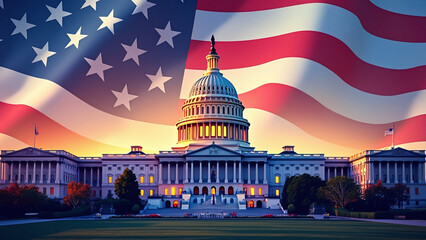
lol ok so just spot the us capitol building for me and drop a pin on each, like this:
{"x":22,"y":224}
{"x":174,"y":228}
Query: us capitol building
{"x":213,"y":164}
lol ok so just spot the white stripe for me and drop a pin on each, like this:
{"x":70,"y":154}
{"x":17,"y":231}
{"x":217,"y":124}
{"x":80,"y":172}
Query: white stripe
{"x":78,"y":116}
{"x":10,"y":143}
{"x":319,"y":17}
{"x":282,"y":132}
{"x":323,"y":85}
{"x":407,"y":7}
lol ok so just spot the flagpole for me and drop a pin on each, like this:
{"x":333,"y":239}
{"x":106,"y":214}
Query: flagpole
{"x":393,"y":135}
{"x":35,"y":134}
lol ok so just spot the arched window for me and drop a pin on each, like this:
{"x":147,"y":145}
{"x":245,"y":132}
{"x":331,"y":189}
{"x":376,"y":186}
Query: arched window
{"x":251,"y":204}
{"x":277,"y":178}
{"x":213,"y":109}
{"x":218,"y":110}
{"x":228,"y":110}
{"x":141,"y":179}
{"x":207,"y":109}
{"x":151,"y":179}
{"x":198,"y":110}
{"x":175,"y":204}
{"x":223,"y":110}
{"x":202,"y":110}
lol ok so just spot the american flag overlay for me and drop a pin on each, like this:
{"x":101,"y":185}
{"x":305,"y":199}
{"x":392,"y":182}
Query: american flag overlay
{"x":97,"y":76}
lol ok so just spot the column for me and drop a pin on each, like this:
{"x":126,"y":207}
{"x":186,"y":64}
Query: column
{"x":201,"y":172}
{"x":57,"y":180}
{"x":341,"y":171}
{"x":335,"y":171}
{"x":26,"y":171}
{"x":49,"y":174}
{"x":98,"y":180}
{"x":396,"y":172}
{"x":264,"y":173}
{"x":160,"y":173}
{"x":256,"y":181}
{"x":248,"y":173}
{"x":192,"y":172}
{"x":239,"y":173}
{"x":186,"y":173}
{"x":411,"y":172}
{"x":217,"y":174}
{"x":1,"y":172}
{"x":226,"y":171}
{"x":403,"y":172}
{"x":19,"y":172}
{"x":168,"y":173}
{"x":372,"y":175}
{"x":380,"y":170}
{"x":328,"y":173}
{"x":177,"y":173}
{"x":387,"y":173}
{"x":41,"y":173}
{"x":421,"y":177}
{"x":209,"y":180}
{"x":84,"y":175}
{"x":11,"y":172}
{"x":34,"y":173}
{"x":91,"y":176}
{"x":234,"y":180}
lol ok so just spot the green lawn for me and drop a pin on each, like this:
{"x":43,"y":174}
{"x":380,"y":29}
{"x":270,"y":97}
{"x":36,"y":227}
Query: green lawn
{"x":210,"y":229}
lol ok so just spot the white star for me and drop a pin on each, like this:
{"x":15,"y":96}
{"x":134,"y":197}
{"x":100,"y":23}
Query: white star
{"x":166,"y":35}
{"x":75,"y":38}
{"x":133,"y":52}
{"x":123,"y":98}
{"x":97,"y":66}
{"x":57,"y":13}
{"x":109,"y":21}
{"x":43,"y":54}
{"x":158,"y":80}
{"x":21,"y":26}
{"x":142,"y":7}
{"x":91,"y":3}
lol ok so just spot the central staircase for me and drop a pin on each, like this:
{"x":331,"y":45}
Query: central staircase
{"x":206,"y":202}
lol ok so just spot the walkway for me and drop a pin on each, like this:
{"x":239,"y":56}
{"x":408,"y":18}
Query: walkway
{"x":418,"y":223}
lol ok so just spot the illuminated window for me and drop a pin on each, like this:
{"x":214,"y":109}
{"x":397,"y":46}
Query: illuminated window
{"x":224,"y":131}
{"x":151,"y":192}
{"x":207,"y":131}
{"x":213,"y":130}
{"x":252,"y":191}
{"x":109,"y":179}
{"x":142,"y":192}
{"x":219,"y":131}
{"x":260,"y":191}
{"x":180,"y":191}
{"x":201,"y":131}
{"x":277,"y":192}
{"x":173,"y":191}
{"x":141,"y":179}
{"x":166,"y":191}
{"x":151,"y":179}
{"x":52,"y":191}
{"x":277,"y":179}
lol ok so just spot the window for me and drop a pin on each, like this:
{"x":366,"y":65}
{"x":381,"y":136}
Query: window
{"x":118,"y":168}
{"x":224,"y":131}
{"x":44,"y":190}
{"x":142,"y":192}
{"x":287,"y":168}
{"x":109,"y":168}
{"x":277,"y":192}
{"x":252,"y":191}
{"x":151,"y":179}
{"x":306,"y":168}
{"x":277,"y":179}
{"x":109,"y":179}
{"x":180,"y":191}
{"x":141,"y":179}
{"x":277,"y":168}
{"x":52,"y":191}
{"x":166,"y":191}
{"x":213,"y":130}
{"x":151,"y":192}
{"x":151,"y":168}
{"x":173,"y":192}
{"x":141,"y":168}
{"x":416,"y":191}
{"x":207,"y":131}
{"x":260,"y":191}
{"x":408,"y":190}
{"x":219,"y":131}
{"x":297,"y":168}
{"x":316,"y":168}
{"x":201,"y":131}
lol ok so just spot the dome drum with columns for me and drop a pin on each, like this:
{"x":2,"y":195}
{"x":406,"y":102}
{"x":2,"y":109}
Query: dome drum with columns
{"x":213,"y":110}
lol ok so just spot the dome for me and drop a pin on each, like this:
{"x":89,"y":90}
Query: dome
{"x":213,"y":84}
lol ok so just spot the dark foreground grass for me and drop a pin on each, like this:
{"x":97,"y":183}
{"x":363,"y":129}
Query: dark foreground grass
{"x":210,"y":229}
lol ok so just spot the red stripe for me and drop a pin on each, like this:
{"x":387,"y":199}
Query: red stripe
{"x":375,"y":20}
{"x":319,"y":121}
{"x":18,"y":121}
{"x":319,"y":47}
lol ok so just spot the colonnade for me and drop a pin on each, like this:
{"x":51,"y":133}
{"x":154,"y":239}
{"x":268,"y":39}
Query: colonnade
{"x":337,"y":171}
{"x":385,"y":173}
{"x":212,"y":130}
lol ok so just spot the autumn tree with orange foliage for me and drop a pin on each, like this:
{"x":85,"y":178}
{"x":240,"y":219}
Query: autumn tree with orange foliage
{"x":77,"y":192}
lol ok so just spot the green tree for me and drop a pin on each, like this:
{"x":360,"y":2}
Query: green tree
{"x":303,"y":191}
{"x":378,"y":197}
{"x":399,"y":192}
{"x":284,"y":202}
{"x":126,"y":187}
{"x":340,"y":191}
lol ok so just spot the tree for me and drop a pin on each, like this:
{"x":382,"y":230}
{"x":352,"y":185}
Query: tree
{"x":378,"y":197}
{"x":399,"y":193}
{"x":16,"y":200}
{"x":126,"y":187}
{"x":303,"y":191}
{"x":77,"y":192}
{"x":340,"y":190}
{"x":284,"y":202}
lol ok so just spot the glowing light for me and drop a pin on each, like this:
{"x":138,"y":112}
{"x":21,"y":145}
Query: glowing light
{"x":151,"y":179}
{"x":260,"y":191}
{"x":173,"y":191}
{"x":166,"y":191}
{"x":277,"y":192}
{"x":180,"y":191}
{"x":252,"y":191}
{"x":141,"y":179}
{"x":109,"y":179}
{"x":277,"y":179}
{"x":151,"y":192}
{"x":142,"y":192}
{"x":213,"y":130}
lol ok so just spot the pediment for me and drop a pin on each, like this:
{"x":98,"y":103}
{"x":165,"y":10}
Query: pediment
{"x":213,"y":150}
{"x":29,"y":152}
{"x":397,"y":152}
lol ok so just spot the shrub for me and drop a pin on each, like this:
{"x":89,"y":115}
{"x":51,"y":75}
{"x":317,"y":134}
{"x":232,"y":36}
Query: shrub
{"x":136,"y":209}
{"x":122,"y":207}
{"x":78,"y":211}
{"x":291,"y":209}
